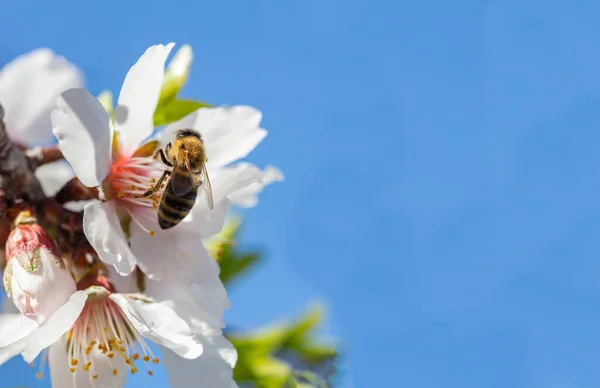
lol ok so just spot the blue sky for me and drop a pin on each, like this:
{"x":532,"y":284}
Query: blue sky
{"x":442,"y":182}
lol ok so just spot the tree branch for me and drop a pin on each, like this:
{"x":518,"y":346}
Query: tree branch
{"x":18,"y":178}
{"x":39,"y":156}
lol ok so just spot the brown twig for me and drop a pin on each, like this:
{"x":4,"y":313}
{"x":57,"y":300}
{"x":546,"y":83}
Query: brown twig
{"x":43,"y":155}
{"x":65,"y":219}
{"x":18,"y":177}
{"x":74,"y":190}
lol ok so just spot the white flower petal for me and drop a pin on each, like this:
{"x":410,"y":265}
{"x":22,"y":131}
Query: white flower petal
{"x":11,"y":350}
{"x":204,"y":221}
{"x":160,"y":324}
{"x":41,"y":293}
{"x":214,"y":369}
{"x":229,"y":180}
{"x":225,"y":182}
{"x":229,"y":133}
{"x":55,"y":326}
{"x":139,"y":95}
{"x":123,"y":284}
{"x":84,"y":131}
{"x":53,"y":176}
{"x":248,"y":196}
{"x":103,"y":230}
{"x":29,"y":87}
{"x":61,"y":377}
{"x":175,"y":254}
{"x":201,"y":306}
{"x":14,"y":327}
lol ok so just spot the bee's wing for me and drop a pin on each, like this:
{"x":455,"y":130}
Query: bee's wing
{"x":181,"y":177}
{"x":206,"y":187}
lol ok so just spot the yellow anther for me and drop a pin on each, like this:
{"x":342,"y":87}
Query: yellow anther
{"x":72,"y":370}
{"x":155,"y":360}
{"x":39,"y":375}
{"x":74,"y":361}
{"x":115,"y":372}
{"x":95,"y":376}
{"x":151,"y":233}
{"x":133,"y":370}
{"x":128,"y":361}
{"x":120,"y":195}
{"x":88,"y":350}
{"x":146,"y":358}
{"x":87,"y":365}
{"x":136,"y":356}
{"x":122,"y":348}
{"x":150,"y":373}
{"x":110,"y":355}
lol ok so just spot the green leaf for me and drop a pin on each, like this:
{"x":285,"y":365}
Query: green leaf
{"x":176,"y":74}
{"x":316,"y":353}
{"x":299,"y":330}
{"x":232,"y":265}
{"x":175,"y":110}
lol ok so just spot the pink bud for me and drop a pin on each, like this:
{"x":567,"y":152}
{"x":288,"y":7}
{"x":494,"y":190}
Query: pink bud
{"x":35,"y":276}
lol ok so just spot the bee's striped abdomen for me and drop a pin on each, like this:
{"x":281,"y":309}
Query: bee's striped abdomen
{"x":173,"y":208}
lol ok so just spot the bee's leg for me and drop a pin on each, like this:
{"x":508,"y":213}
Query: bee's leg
{"x":156,"y":186}
{"x":163,"y":156}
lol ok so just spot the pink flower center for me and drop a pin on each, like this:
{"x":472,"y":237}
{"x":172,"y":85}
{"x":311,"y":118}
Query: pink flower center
{"x":130,"y":178}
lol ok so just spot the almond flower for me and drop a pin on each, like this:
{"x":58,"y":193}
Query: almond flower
{"x":100,"y":335}
{"x":35,"y":277}
{"x":118,"y":158}
{"x":29,"y":87}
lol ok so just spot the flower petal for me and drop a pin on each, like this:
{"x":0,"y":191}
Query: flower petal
{"x":248,"y":196}
{"x":11,"y":350}
{"x":103,"y":230}
{"x":200,"y":306}
{"x":225,"y":182}
{"x":39,"y":294}
{"x":214,"y":368}
{"x":29,"y":87}
{"x":139,"y":95}
{"x":124,"y":284}
{"x":229,"y":133}
{"x":53,"y":176}
{"x":84,"y":131}
{"x":61,"y":377}
{"x":206,"y":222}
{"x":14,"y":327}
{"x":55,"y":326}
{"x":160,"y":324}
{"x":175,"y":254}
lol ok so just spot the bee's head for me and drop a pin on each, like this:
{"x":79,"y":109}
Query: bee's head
{"x":183,"y":133}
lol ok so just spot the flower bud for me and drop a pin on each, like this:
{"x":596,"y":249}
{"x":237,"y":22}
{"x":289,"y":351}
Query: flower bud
{"x":35,"y":276}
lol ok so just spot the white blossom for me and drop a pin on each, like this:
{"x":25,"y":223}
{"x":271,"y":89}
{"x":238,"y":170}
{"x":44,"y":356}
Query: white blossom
{"x":35,"y":277}
{"x":29,"y":87}
{"x":113,"y":156}
{"x":99,"y":336}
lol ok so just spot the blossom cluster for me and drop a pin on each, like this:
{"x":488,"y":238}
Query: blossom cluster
{"x":92,"y":278}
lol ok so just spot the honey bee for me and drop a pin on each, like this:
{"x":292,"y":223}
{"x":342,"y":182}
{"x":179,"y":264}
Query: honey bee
{"x":187,"y":159}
